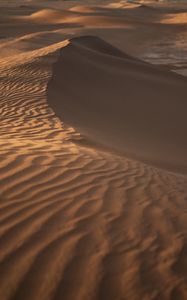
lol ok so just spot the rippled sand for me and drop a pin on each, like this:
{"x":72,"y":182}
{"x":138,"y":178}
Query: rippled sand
{"x":78,"y":218}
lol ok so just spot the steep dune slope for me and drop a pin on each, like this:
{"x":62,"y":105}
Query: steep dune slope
{"x":126,"y":104}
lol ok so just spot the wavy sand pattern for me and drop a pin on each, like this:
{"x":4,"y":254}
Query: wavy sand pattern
{"x":78,"y":221}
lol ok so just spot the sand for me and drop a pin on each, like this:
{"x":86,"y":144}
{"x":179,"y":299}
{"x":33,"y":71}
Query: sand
{"x":93,"y":189}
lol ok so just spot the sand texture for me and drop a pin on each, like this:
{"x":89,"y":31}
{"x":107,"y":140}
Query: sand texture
{"x":93,"y":164}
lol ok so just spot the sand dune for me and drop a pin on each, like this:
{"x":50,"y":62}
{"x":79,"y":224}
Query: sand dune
{"x":79,"y":219}
{"x":180,"y":18}
{"x":48,"y":15}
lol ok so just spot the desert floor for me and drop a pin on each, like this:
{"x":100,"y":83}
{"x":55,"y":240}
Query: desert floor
{"x":93,"y":164}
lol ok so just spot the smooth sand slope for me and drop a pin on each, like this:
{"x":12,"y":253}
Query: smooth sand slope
{"x":79,"y":220}
{"x":121,"y":102}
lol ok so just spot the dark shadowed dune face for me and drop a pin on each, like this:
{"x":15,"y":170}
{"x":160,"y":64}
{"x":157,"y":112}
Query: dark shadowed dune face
{"x":121,"y":102}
